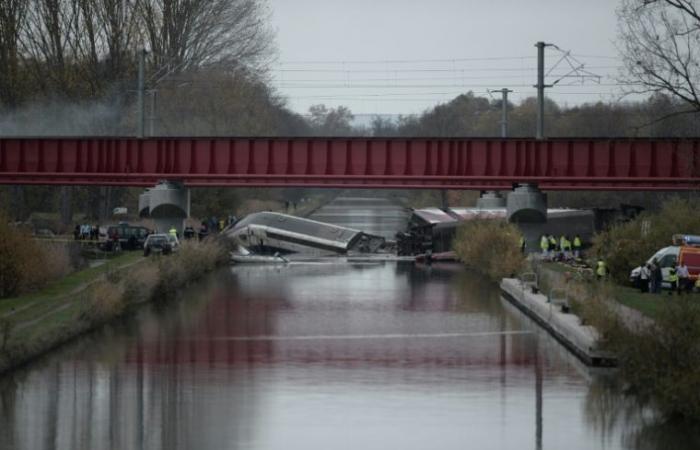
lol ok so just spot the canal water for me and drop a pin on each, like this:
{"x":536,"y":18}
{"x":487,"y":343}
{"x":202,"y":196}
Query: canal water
{"x":323,"y":355}
{"x":373,"y":214}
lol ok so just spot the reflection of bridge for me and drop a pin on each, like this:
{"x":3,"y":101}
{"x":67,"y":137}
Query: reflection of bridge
{"x":465,"y":163}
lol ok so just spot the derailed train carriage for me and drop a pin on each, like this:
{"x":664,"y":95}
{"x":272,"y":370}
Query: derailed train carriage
{"x":433,"y":229}
{"x":267,"y":233}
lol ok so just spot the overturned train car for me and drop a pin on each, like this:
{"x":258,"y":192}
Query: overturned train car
{"x":268,"y":233}
{"x":433,"y":229}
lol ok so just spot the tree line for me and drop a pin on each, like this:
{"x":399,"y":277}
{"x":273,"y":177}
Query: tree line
{"x":70,"y":68}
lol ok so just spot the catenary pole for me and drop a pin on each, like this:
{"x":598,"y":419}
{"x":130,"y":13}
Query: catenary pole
{"x":504,"y":112}
{"x":140,"y":95}
{"x":540,"y":88}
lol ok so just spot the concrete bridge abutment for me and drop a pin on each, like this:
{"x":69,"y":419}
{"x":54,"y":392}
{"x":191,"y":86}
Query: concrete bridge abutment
{"x":491,"y":200}
{"x":168,"y":204}
{"x":526,"y":203}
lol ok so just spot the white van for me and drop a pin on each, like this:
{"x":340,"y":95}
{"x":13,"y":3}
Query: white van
{"x":666,"y":257}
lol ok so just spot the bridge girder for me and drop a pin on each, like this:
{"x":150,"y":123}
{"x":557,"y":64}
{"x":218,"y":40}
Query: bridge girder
{"x":419,"y":163}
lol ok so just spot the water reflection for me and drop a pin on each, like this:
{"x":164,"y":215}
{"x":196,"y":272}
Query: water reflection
{"x":610,"y":407}
{"x":367,"y":355}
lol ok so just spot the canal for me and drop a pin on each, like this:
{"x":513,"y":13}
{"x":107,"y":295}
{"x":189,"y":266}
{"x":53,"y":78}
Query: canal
{"x":320,"y":355}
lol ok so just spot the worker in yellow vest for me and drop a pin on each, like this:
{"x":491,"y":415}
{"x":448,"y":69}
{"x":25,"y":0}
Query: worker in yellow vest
{"x":544,"y":245}
{"x":173,"y":232}
{"x":601,"y":270}
{"x":565,"y":246}
{"x":577,"y":246}
{"x":673,"y":279}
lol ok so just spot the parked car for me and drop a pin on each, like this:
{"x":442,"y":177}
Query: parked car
{"x":125,"y":237}
{"x":160,"y":244}
{"x":669,"y":257}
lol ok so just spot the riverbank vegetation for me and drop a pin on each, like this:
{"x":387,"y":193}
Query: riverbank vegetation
{"x":26,"y":264}
{"x":659,"y":360}
{"x":491,"y":247}
{"x":33,"y":324}
{"x":628,"y":245}
{"x":655,"y":337}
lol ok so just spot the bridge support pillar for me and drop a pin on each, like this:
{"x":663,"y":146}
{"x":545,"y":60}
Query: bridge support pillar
{"x":526,"y":203}
{"x":490,"y":200}
{"x":168,"y":204}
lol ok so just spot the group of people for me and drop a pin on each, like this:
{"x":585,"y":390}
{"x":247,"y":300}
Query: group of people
{"x":563,"y":249}
{"x":651,"y":278}
{"x":85,"y":232}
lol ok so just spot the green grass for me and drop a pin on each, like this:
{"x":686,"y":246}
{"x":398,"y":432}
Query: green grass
{"x":558,"y":267}
{"x":648,"y":304}
{"x":58,"y":292}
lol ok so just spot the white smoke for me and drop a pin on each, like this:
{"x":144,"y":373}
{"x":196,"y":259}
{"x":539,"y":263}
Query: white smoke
{"x":60,"y":118}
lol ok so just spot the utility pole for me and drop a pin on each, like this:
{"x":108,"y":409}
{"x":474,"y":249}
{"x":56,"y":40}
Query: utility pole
{"x":504,"y":112}
{"x":140,"y":95}
{"x":152,"y":121}
{"x":540,"y":88}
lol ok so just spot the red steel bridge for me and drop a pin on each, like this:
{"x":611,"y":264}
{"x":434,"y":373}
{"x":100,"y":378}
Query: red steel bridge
{"x":426,"y":163}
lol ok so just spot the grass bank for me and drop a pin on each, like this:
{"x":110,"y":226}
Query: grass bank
{"x":33,"y":324}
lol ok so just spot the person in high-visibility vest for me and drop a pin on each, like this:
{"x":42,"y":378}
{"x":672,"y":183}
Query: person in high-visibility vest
{"x":522,"y":244}
{"x":577,"y":247}
{"x":544,"y":245}
{"x":565,"y":246}
{"x":673,"y":279}
{"x":173,"y":232}
{"x":601,"y":270}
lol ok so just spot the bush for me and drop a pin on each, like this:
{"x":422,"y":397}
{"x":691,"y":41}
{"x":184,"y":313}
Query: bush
{"x":54,"y":263}
{"x":191,"y":262}
{"x":26,"y":264}
{"x":626,"y":246}
{"x":490,"y":247}
{"x":19,"y":259}
{"x":141,"y":284}
{"x":103,"y":301}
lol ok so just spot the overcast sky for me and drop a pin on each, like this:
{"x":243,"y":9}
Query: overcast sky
{"x":403,"y":56}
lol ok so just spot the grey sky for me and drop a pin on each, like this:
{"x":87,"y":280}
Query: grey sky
{"x":403,"y":56}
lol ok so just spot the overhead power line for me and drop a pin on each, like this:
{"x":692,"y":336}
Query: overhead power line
{"x":406,"y":61}
{"x":412,"y":86}
{"x":453,"y":69}
{"x":467,"y":77}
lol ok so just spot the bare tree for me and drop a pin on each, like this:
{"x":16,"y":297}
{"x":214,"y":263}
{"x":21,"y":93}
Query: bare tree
{"x":12,"y":15}
{"x":186,"y":34}
{"x":104,"y":36}
{"x":46,"y":44}
{"x":331,"y":121}
{"x":660,"y":44}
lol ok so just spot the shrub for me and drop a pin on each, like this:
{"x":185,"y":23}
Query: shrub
{"x":625,"y":246}
{"x":192,"y":261}
{"x":55,"y":263}
{"x":20,"y":258}
{"x":140,"y":285}
{"x":103,"y":301}
{"x":490,"y":247}
{"x":26,"y":264}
